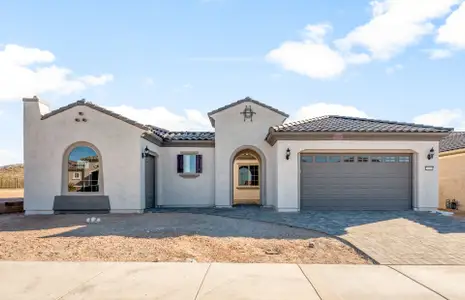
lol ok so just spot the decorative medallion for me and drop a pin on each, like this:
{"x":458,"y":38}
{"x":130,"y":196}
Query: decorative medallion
{"x":248,"y":113}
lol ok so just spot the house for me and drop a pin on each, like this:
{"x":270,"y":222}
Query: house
{"x":82,"y":157}
{"x":452,"y":170}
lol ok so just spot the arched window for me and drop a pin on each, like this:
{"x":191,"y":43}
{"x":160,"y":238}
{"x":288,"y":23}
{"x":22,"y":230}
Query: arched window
{"x":83,"y":170}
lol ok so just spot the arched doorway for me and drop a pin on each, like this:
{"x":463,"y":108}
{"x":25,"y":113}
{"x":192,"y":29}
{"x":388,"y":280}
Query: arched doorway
{"x":247,"y":178}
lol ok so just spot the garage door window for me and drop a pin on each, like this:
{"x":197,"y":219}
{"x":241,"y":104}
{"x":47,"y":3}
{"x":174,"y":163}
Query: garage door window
{"x":389,"y":159}
{"x":349,"y":159}
{"x":307,"y":159}
{"x":404,"y":159}
{"x":320,"y":159}
{"x":362,"y":159}
{"x":334,"y":159}
{"x":376,"y":159}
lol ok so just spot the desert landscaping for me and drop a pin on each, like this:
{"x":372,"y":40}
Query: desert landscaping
{"x":166,"y":237}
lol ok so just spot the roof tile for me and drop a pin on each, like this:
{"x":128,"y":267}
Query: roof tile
{"x":333,"y":123}
{"x":454,"y":141}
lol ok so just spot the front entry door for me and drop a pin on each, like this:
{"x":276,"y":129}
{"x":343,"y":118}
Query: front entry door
{"x":150,"y":191}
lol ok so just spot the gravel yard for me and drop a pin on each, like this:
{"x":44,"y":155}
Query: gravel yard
{"x":166,"y":237}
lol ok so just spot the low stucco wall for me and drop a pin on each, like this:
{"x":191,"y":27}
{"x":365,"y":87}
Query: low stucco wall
{"x":452,"y":179}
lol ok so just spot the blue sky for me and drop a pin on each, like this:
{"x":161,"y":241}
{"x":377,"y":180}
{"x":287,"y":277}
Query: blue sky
{"x":170,"y":62}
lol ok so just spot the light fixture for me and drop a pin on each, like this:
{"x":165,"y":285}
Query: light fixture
{"x":146,"y":152}
{"x":288,"y":153}
{"x":430,"y":154}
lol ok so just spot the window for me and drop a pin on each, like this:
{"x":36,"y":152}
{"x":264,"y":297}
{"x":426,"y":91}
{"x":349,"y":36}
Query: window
{"x":189,"y":164}
{"x":307,"y":159}
{"x":389,"y":159}
{"x":334,"y":159}
{"x":349,"y":159}
{"x":404,"y":159}
{"x":376,"y":159}
{"x":83,"y":170}
{"x":248,"y":175}
{"x":362,"y":159}
{"x":320,"y":159}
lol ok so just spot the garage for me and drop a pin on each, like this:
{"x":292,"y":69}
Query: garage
{"x":331,"y":181}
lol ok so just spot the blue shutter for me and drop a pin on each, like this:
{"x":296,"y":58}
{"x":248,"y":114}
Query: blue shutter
{"x":198,"y":163}
{"x":180,"y":160}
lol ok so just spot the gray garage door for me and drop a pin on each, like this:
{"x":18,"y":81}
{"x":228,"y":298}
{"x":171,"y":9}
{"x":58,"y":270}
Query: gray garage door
{"x":356,"y":181}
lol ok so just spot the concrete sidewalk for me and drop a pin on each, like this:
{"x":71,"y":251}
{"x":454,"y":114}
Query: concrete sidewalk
{"x":100,"y":280}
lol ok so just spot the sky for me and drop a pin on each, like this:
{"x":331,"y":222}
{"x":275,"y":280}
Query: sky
{"x":169,"y":62}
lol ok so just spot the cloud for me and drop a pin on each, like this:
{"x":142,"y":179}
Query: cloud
{"x":322,"y":109}
{"x":391,"y":70}
{"x":452,"y":32}
{"x":29,"y":71}
{"x":187,"y":86}
{"x":311,"y":56}
{"x":149,"y":81}
{"x":162,"y":117}
{"x":443,"y":117}
{"x":9,"y":157}
{"x":395,"y":25}
{"x":439,"y":53}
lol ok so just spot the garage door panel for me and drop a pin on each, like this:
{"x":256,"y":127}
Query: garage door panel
{"x":369,"y":181}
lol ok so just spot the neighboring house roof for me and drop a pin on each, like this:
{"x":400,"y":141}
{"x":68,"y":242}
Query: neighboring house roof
{"x":454,"y":141}
{"x":246,"y":99}
{"x":351,"y":124}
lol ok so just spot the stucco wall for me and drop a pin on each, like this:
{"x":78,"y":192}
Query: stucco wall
{"x":180,"y":191}
{"x":452,"y":179}
{"x":232,"y":134}
{"x":425,"y":183}
{"x":45,"y":142}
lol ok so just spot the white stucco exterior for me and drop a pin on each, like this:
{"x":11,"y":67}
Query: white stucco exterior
{"x":120,"y":145}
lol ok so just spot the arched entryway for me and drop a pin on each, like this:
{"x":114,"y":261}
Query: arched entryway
{"x":247,"y":177}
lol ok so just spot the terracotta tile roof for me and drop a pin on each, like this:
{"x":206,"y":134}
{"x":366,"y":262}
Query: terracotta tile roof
{"x":350,"y":124}
{"x":454,"y":141}
{"x":190,"y":136}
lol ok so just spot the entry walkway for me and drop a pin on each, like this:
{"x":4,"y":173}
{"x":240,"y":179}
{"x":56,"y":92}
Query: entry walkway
{"x":98,"y":280}
{"x":389,"y":237}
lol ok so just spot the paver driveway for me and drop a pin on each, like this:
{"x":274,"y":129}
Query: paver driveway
{"x":401,"y":237}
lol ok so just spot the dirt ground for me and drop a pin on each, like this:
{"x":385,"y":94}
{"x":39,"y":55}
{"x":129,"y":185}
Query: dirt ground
{"x":11,"y":193}
{"x":166,"y":237}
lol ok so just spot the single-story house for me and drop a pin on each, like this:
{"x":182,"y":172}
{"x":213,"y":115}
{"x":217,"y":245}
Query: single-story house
{"x":83,"y":157}
{"x":452,"y":171}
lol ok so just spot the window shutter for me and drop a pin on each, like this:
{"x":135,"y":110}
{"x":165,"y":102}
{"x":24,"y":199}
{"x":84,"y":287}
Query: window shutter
{"x":198,"y":164}
{"x":180,"y":167}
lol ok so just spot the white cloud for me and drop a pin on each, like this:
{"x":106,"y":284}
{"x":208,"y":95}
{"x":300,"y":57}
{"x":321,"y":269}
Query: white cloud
{"x":439,"y":53}
{"x":149,"y":81}
{"x":395,"y":25}
{"x":8,"y":157}
{"x":443,"y":117}
{"x":162,"y":117}
{"x":311,"y":56}
{"x":25,"y":72}
{"x":321,"y":109}
{"x":187,"y":86}
{"x":393,"y":69}
{"x":453,"y":31}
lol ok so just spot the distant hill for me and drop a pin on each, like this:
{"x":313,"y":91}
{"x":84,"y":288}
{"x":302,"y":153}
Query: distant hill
{"x":12,"y":171}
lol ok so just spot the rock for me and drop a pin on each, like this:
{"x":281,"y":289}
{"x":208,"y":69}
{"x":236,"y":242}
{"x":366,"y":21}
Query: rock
{"x":191,"y":260}
{"x":311,"y":245}
{"x":272,"y":251}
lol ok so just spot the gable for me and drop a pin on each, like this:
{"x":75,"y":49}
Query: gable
{"x":246,"y":101}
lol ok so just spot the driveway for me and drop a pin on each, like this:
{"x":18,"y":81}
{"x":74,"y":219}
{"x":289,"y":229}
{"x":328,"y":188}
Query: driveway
{"x":401,"y":237}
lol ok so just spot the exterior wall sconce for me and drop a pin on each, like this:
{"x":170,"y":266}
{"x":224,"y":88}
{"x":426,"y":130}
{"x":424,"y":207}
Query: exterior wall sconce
{"x":146,"y":152}
{"x":430,"y":154}
{"x":288,"y":153}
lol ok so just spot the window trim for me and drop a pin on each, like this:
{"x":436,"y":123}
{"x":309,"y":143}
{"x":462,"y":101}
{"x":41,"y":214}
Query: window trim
{"x":76,"y":177}
{"x":189,"y":174}
{"x":65,"y":171}
{"x":239,"y":186}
